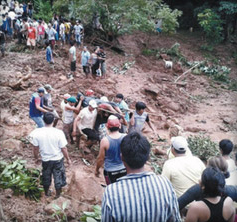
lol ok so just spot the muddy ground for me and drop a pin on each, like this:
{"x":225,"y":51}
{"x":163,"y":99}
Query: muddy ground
{"x":196,"y":104}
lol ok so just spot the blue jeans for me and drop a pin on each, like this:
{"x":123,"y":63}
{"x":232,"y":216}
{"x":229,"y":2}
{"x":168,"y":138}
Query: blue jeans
{"x":39,"y":121}
{"x":78,"y":38}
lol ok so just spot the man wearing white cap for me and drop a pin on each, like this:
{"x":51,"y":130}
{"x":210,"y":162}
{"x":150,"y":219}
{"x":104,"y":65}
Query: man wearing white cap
{"x":110,"y":152}
{"x":85,"y":121}
{"x":183,"y":171}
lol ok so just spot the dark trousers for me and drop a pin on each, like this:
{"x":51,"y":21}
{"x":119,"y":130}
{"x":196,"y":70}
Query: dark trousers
{"x":55,"y":168}
{"x":111,"y":177}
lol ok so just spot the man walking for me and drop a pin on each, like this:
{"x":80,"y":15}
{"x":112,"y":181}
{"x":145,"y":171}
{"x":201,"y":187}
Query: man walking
{"x":85,"y":56}
{"x":72,"y":60}
{"x":139,"y":196}
{"x":31,"y":39}
{"x":85,"y":121}
{"x":47,"y":103}
{"x":36,"y":107}
{"x":78,"y":32}
{"x":51,"y":144}
{"x":110,"y":152}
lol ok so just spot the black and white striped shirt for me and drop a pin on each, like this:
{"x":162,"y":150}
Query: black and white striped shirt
{"x":142,"y":197}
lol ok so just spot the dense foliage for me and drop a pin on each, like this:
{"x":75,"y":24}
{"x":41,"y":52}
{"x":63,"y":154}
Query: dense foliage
{"x":119,"y":17}
{"x":211,"y":24}
{"x":202,"y":147}
{"x":43,"y":10}
{"x":21,"y":180}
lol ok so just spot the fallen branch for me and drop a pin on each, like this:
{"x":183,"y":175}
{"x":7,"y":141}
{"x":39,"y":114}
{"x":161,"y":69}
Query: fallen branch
{"x":187,"y":71}
{"x":17,"y":85}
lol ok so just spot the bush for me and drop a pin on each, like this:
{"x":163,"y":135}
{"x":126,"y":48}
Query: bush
{"x":92,"y":216}
{"x":21,"y":180}
{"x":43,"y":10}
{"x":211,"y":25}
{"x":202,"y":147}
{"x":119,"y":17}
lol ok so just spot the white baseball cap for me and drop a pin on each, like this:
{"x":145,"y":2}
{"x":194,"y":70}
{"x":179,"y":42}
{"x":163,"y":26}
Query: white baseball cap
{"x":179,"y":143}
{"x":93,"y":103}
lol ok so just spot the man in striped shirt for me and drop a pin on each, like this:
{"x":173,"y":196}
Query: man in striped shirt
{"x":139,"y":196}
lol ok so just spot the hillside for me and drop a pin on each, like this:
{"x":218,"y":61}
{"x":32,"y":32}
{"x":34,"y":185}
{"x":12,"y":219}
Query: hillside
{"x":195,"y":103}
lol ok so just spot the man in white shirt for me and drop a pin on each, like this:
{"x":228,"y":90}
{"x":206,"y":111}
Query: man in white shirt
{"x":184,"y":170}
{"x":78,"y":32}
{"x":85,"y":121}
{"x":51,"y":35}
{"x":51,"y":144}
{"x":72,"y":59}
{"x":62,"y":32}
{"x":85,"y":56}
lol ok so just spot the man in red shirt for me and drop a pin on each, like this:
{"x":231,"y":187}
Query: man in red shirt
{"x":31,"y":36}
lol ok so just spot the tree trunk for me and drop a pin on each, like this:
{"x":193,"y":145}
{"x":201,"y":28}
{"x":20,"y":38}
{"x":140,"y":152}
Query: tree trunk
{"x":234,"y":24}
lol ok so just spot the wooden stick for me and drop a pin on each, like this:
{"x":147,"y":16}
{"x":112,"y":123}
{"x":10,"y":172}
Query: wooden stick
{"x":187,"y":71}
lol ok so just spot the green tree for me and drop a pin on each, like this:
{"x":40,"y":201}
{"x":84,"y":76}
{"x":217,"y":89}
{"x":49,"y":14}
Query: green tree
{"x":211,"y":24}
{"x":43,"y":10}
{"x":228,"y":11}
{"x":121,"y":16}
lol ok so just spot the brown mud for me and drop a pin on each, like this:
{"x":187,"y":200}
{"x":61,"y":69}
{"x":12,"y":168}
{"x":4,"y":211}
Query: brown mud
{"x":196,"y":104}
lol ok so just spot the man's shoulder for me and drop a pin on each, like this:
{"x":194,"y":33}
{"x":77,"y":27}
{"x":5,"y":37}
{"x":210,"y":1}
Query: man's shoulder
{"x":35,"y":95}
{"x":145,"y":177}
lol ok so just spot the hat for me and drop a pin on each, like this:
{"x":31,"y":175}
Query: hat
{"x":104,"y":99}
{"x":89,"y":92}
{"x":179,"y":143}
{"x":66,"y":96}
{"x":93,"y":104}
{"x":49,"y":87}
{"x":40,"y":90}
{"x":72,"y":99}
{"x":113,"y":121}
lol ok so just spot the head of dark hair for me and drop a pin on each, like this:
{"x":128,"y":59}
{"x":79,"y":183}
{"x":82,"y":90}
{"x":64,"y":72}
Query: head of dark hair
{"x":135,"y":150}
{"x":226,"y":146}
{"x":72,"y":43}
{"x":79,"y":94}
{"x":118,"y":115}
{"x":102,"y":47}
{"x":213,"y":181}
{"x":219,"y":163}
{"x":47,"y":43}
{"x":113,"y":129}
{"x":140,"y":105}
{"x":48,"y":118}
{"x":119,"y":95}
{"x":179,"y":151}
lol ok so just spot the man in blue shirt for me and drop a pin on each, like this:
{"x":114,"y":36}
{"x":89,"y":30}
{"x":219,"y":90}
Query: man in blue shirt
{"x":36,"y":107}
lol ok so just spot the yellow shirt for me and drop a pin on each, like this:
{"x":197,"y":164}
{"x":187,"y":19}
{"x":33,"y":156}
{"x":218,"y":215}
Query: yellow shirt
{"x":183,"y":172}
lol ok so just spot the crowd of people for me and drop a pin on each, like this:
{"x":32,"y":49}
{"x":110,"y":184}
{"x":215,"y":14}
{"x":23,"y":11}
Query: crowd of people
{"x":18,"y":21}
{"x":186,"y":187}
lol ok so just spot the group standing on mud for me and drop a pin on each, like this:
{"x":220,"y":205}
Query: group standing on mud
{"x":132,"y":193}
{"x":17,"y":21}
{"x":187,"y":187}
